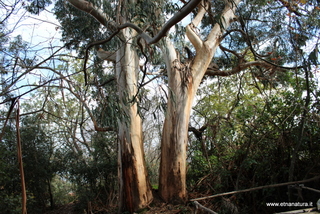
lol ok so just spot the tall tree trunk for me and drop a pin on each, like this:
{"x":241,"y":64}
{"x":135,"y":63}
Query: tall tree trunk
{"x":135,"y":189}
{"x":181,"y":92}
{"x":183,"y":81}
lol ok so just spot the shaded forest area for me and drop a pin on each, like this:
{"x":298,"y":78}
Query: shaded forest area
{"x":137,"y":106}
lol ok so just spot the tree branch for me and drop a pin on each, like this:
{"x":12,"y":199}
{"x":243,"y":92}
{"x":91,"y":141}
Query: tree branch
{"x":95,"y":12}
{"x":237,"y":69}
{"x":290,"y":7}
{"x":103,"y":19}
{"x":106,"y":55}
{"x":194,"y":37}
{"x":226,"y":18}
{"x":23,"y":74}
{"x":191,"y":28}
{"x":198,"y":132}
{"x":203,"y":7}
{"x":95,"y":124}
{"x":230,"y":51}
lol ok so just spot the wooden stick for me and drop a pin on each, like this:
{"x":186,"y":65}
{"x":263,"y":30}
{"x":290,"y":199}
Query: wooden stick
{"x":308,"y":188}
{"x":19,"y":149}
{"x":203,"y":207}
{"x":256,"y":188}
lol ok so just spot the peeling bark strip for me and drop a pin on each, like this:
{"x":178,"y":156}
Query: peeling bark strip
{"x":184,"y":71}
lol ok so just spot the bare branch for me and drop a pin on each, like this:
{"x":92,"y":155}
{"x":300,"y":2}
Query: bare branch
{"x":230,"y":51}
{"x":106,"y":55}
{"x":203,"y":207}
{"x":20,"y":162}
{"x":257,"y":188}
{"x":241,"y":67}
{"x":5,"y":90}
{"x":96,"y":127}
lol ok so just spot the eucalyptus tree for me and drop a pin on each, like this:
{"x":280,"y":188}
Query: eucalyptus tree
{"x":226,"y":37}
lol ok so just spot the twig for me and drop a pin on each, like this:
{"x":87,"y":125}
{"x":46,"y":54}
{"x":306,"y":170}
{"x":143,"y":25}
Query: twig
{"x":198,"y":205}
{"x":13,"y":103}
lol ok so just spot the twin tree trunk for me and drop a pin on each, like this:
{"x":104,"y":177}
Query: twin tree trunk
{"x":183,"y":82}
{"x":184,"y":79}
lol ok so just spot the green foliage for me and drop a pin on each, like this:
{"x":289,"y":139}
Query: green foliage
{"x":95,"y":178}
{"x":37,"y":151}
{"x":37,"y":147}
{"x":63,"y":190}
{"x":9,"y":174}
{"x":36,"y":6}
{"x":78,"y":29}
{"x":250,"y":138}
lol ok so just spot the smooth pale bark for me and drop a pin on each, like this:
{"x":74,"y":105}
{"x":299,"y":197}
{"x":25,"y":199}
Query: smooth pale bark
{"x":183,"y":82}
{"x":135,"y":189}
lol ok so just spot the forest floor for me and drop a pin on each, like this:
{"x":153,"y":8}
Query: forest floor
{"x":156,"y":207}
{"x":167,"y":209}
{"x":64,"y":209}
